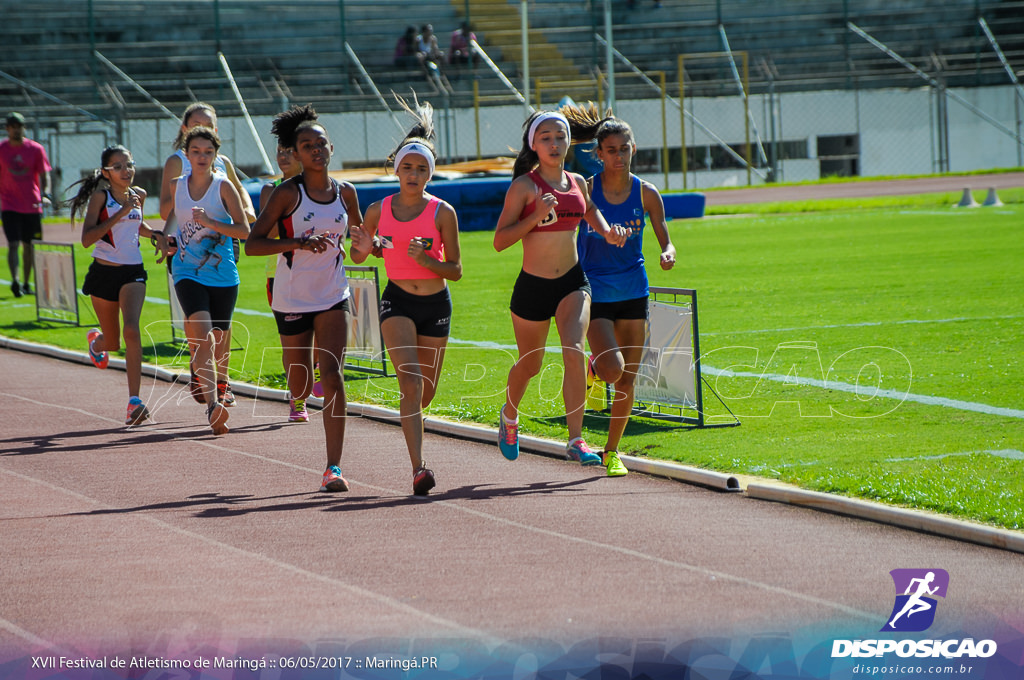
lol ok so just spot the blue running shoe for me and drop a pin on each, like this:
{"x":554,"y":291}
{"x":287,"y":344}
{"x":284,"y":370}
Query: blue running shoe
{"x":508,"y":437}
{"x":577,"y":449}
{"x":137,"y":412}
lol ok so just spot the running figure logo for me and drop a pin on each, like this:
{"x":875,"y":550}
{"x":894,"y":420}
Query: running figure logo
{"x":914,"y":609}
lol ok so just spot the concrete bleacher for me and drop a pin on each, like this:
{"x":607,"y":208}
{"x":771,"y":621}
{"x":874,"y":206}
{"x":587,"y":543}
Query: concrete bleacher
{"x":806,"y":45}
{"x":278,"y":52}
{"x":293,"y":52}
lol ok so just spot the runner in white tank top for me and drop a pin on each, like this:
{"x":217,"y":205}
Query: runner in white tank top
{"x":177,"y":165}
{"x":116,"y":280}
{"x":120,"y":245}
{"x":307,"y":281}
{"x":303,"y":223}
{"x":205,"y":274}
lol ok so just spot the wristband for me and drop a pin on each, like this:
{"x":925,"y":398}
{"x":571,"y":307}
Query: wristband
{"x":152,"y":237}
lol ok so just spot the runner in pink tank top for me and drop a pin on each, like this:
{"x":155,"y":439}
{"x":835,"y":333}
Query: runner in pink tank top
{"x":418,"y":236}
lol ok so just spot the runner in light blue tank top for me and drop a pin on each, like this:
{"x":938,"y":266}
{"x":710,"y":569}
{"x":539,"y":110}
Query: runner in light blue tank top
{"x":618,"y":314}
{"x":205,"y":275}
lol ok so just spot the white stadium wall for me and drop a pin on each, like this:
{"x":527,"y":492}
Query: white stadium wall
{"x":896,"y":128}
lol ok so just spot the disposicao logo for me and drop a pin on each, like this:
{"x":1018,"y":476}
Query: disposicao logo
{"x":916,"y":589}
{"x":912,"y":612}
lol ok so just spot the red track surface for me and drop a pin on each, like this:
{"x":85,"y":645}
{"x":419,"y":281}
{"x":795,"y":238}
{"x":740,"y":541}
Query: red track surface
{"x":115,"y":538}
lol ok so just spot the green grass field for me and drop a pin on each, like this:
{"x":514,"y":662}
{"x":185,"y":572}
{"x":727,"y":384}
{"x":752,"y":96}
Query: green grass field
{"x":906,"y":295}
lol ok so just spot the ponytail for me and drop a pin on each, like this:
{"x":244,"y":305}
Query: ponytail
{"x":88,"y":185}
{"x":422,"y":131}
{"x":584,"y":122}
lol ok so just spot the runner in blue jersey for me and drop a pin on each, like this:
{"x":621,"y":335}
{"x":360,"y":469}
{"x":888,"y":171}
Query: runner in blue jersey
{"x":618,"y":280}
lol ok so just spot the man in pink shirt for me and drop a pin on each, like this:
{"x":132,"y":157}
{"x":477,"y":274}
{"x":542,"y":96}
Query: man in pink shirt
{"x":24,"y":190}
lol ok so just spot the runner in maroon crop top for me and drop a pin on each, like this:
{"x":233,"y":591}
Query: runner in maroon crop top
{"x":543,"y":207}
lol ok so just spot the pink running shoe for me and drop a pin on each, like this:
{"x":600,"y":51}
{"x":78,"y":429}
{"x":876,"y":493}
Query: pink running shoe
{"x":99,"y":359}
{"x":298,"y":414}
{"x":333,"y":481}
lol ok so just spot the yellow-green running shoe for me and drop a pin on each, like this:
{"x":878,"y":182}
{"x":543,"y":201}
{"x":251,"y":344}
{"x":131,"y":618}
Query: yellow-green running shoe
{"x":614,"y":465}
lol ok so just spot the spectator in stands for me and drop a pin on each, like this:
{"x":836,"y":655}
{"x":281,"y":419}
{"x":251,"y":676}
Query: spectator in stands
{"x":427,"y":47}
{"x":460,"y":53}
{"x":431,"y":58}
{"x":24,"y":192}
{"x":406,"y":55}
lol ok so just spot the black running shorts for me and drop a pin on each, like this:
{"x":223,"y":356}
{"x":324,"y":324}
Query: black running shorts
{"x":536,"y":299}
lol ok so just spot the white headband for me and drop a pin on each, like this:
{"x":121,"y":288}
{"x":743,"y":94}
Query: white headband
{"x":549,"y":115}
{"x":415,"y":147}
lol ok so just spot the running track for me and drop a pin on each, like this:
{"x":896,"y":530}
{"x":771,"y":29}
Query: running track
{"x":165,"y":539}
{"x":115,"y":538}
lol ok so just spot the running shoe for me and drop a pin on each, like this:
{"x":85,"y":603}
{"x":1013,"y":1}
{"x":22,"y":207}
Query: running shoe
{"x":137,"y":412}
{"x":577,"y":449}
{"x":508,"y":437}
{"x":333,"y":481}
{"x":26,"y":289}
{"x":224,"y":394}
{"x":99,"y":359}
{"x":195,"y":388}
{"x":423,"y":482}
{"x":318,"y":388}
{"x":16,"y":289}
{"x":217,"y":416}
{"x":299,"y":414}
{"x":614,"y":465}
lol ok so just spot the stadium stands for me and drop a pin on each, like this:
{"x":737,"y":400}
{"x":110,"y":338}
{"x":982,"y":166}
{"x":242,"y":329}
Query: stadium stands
{"x":283,"y":52}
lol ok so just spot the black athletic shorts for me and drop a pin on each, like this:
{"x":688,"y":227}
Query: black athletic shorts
{"x":22,"y":227}
{"x":219,"y":301}
{"x":431,"y":314}
{"x":296,"y":323}
{"x":536,"y":299}
{"x":105,"y":280}
{"x":624,"y":309}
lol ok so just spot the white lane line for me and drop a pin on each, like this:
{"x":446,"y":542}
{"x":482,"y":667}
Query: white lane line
{"x":867,"y":391}
{"x":238,"y":310}
{"x":31,"y":638}
{"x":1008,"y":454}
{"x":866,"y":324}
{"x":709,"y":573}
{"x":284,"y":566}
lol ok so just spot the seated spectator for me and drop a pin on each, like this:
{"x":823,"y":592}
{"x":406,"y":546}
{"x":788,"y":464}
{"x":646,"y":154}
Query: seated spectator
{"x":460,"y":52}
{"x":406,"y":54}
{"x":426,"y":45}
